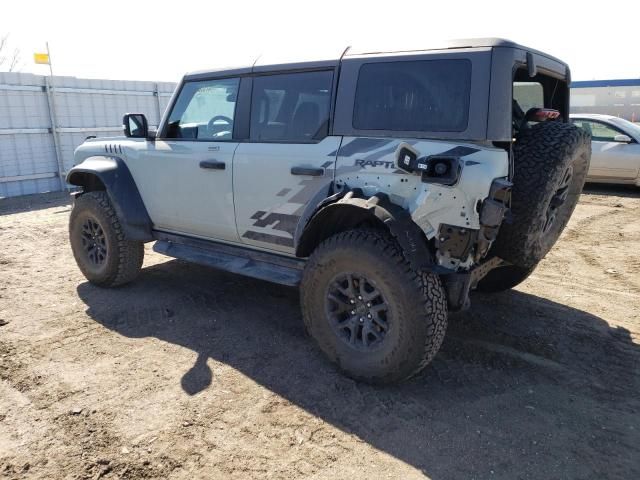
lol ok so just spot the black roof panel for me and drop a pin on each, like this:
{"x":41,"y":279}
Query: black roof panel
{"x":269,"y":64}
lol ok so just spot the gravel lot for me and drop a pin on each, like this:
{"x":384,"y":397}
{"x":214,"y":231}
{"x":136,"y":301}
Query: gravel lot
{"x":195,"y":373}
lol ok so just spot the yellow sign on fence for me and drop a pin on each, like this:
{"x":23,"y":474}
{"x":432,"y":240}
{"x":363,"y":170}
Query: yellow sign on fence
{"x":41,"y":58}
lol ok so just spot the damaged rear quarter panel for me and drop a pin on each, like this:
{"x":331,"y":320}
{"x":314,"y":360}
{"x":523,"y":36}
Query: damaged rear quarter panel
{"x":370,"y":164}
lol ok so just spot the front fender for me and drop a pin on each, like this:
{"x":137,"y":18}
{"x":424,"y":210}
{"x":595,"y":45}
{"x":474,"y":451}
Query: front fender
{"x":112,"y":174}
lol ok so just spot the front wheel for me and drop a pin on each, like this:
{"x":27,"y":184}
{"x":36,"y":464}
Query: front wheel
{"x":102,"y":252}
{"x":369,"y":312}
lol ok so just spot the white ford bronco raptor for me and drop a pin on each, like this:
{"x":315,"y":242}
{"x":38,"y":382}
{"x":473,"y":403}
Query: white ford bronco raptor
{"x":385,"y":185}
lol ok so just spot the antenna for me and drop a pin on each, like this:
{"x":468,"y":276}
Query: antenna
{"x":256,"y":61}
{"x":344,"y":52}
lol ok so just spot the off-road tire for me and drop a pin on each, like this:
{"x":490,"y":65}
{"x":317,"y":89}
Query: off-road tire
{"x":543,"y":155}
{"x":416,"y":300}
{"x":122,"y":258}
{"x":504,"y":278}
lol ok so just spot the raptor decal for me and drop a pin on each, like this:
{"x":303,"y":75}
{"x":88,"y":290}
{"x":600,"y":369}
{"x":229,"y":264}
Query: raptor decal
{"x":373,"y":163}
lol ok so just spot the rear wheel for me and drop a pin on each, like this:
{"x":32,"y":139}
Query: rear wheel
{"x":550,"y":167}
{"x":101,"y":250}
{"x":369,"y":312}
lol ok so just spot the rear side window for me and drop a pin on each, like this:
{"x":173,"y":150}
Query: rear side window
{"x":290,"y":107}
{"x":413,"y":96}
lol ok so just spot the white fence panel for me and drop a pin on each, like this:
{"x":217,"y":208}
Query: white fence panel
{"x":82,"y":107}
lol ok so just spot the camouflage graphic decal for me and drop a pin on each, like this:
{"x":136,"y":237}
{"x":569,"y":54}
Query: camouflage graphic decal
{"x":278,"y":221}
{"x":385,"y":151}
{"x":360,"y":145}
{"x":268,"y":238}
{"x":310,"y":187}
{"x":286,"y":216}
{"x":460,"y":151}
{"x":279,"y":225}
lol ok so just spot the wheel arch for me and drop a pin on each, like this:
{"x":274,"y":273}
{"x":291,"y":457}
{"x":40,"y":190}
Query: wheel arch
{"x":353,"y":210}
{"x":112,"y":175}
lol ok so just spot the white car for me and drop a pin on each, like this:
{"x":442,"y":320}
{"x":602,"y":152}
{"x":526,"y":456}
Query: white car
{"x":615,"y":148}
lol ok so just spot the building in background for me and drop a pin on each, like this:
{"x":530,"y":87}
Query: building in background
{"x":620,"y":98}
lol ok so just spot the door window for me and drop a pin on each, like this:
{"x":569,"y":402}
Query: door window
{"x":204,"y":110}
{"x":599,"y":131}
{"x":291,"y":108}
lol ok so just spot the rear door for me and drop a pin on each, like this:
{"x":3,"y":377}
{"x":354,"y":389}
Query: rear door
{"x":288,"y":159}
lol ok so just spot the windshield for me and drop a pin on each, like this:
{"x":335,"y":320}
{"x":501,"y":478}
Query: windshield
{"x":627,"y":126}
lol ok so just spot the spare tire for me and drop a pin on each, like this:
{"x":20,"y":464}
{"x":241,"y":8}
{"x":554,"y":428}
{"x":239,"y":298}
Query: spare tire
{"x":551,"y":161}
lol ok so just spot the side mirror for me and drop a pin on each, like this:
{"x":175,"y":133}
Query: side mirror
{"x":621,"y":138}
{"x":135,"y":125}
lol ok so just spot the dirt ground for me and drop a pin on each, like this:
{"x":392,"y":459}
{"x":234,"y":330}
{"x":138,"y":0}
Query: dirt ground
{"x":194,"y":373}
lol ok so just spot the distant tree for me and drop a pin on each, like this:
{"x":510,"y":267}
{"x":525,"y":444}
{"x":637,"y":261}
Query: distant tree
{"x":9,"y":59}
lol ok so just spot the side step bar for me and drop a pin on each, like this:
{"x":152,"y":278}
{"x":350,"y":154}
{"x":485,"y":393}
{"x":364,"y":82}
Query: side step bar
{"x":251,"y":263}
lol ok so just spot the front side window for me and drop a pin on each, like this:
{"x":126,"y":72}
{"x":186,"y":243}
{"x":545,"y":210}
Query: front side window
{"x":204,"y":110}
{"x":599,"y":131}
{"x":290,"y":107}
{"x":413,"y":96}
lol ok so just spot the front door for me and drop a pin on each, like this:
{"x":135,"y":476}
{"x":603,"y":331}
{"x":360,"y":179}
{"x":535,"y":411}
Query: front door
{"x":610,"y":159}
{"x":185,"y":176}
{"x":289,"y":159}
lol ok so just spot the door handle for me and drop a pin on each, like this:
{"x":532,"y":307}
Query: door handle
{"x":212,"y":164}
{"x":313,"y":172}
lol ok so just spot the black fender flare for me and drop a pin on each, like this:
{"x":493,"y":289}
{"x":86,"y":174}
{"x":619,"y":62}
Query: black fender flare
{"x":350,"y":208}
{"x":114,"y":175}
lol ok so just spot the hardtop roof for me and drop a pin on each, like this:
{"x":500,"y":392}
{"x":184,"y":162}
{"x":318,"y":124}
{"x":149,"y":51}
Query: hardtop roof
{"x":266,"y":63}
